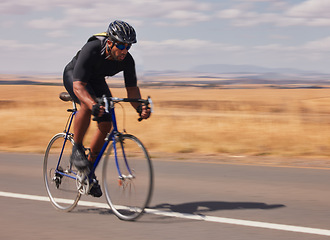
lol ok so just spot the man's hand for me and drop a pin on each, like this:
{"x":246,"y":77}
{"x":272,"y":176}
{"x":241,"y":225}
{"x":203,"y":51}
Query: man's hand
{"x":98,"y":110}
{"x":143,"y":111}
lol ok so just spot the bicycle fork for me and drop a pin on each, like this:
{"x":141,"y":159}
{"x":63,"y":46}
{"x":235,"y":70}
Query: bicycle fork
{"x":121,"y":177}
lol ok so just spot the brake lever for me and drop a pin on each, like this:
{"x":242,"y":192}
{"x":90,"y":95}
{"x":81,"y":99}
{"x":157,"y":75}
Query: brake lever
{"x":104,"y":102}
{"x":149,"y":102}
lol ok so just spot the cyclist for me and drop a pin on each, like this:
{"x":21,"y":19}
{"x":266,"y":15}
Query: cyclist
{"x":103,"y":55}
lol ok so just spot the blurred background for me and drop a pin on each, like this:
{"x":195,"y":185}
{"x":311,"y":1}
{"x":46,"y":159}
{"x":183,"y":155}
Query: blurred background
{"x":228,"y":77}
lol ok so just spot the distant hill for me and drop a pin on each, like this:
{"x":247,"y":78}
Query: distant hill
{"x":208,"y":75}
{"x":228,"y":68}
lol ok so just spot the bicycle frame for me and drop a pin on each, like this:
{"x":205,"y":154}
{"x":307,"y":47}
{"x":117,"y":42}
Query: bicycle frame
{"x":111,"y":136}
{"x":67,"y":134}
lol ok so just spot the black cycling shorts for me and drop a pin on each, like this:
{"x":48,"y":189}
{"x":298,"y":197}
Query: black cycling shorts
{"x":96,"y":90}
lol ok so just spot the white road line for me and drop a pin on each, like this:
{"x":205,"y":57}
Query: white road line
{"x":247,"y":223}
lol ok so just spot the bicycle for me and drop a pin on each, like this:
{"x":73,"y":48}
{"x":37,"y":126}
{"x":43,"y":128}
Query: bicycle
{"x":127,"y":174}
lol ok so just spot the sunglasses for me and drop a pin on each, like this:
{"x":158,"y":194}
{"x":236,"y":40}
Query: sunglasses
{"x":122,"y":46}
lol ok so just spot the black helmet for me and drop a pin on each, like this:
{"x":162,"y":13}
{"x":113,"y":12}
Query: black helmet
{"x":122,"y":32}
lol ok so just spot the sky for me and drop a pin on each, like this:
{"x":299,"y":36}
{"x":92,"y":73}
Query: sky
{"x":43,"y":35}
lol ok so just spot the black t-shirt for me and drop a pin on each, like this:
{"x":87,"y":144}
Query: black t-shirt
{"x":90,"y":65}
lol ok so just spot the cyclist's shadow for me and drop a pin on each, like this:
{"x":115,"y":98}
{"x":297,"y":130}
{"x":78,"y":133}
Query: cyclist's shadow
{"x":209,"y":206}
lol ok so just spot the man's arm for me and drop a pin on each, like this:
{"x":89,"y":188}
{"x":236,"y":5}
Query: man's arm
{"x":86,"y":99}
{"x":82,"y":94}
{"x":134,"y":92}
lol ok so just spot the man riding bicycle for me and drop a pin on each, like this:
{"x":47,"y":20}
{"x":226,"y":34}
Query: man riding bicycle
{"x":103,"y":55}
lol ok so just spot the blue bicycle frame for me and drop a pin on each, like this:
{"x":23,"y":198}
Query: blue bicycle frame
{"x":110,"y":137}
{"x":67,"y":134}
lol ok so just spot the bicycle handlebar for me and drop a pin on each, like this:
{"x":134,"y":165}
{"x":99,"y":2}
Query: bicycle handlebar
{"x":64,"y":96}
{"x":148,"y":102}
{"x":115,"y":99}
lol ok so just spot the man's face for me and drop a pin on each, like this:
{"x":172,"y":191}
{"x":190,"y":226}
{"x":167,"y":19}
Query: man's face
{"x":119,"y":51}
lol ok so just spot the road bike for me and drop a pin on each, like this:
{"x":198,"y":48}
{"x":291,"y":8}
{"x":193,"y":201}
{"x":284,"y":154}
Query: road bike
{"x":127,"y":173}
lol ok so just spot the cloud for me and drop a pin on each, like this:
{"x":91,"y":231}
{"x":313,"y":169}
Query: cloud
{"x":320,"y":45}
{"x":184,"y":17}
{"x":20,"y":7}
{"x":92,"y":13}
{"x":58,"y":34}
{"x":172,"y":12}
{"x":230,"y":13}
{"x":314,"y":12}
{"x":311,"y":9}
{"x":186,"y":47}
{"x":8,"y":7}
{"x":47,"y":23}
{"x":307,"y":13}
{"x":9,"y":45}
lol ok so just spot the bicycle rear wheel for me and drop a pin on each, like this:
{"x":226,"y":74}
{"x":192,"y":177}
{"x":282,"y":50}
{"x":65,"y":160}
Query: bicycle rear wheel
{"x":59,"y":174}
{"x":128,"y":191}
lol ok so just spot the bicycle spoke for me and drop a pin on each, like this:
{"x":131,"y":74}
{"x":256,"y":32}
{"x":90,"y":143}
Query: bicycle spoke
{"x":59,"y":175}
{"x":129,"y":193}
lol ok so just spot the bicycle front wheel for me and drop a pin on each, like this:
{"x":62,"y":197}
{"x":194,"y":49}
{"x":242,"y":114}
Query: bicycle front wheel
{"x":59,"y":174}
{"x":127,"y":177}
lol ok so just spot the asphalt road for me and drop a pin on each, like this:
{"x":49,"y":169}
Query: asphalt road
{"x":191,"y":200}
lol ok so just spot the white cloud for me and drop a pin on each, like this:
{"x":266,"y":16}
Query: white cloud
{"x":91,"y":14}
{"x":27,"y":6}
{"x":58,"y":34}
{"x":47,"y":23}
{"x":187,"y":17}
{"x":311,"y":9}
{"x":10,"y":45}
{"x":307,"y":13}
{"x":186,"y":47}
{"x":320,"y":45}
{"x":321,"y":22}
{"x":249,"y":18}
{"x":230,"y":13}
{"x":270,"y":47}
{"x":85,"y":12}
{"x":9,"y":7}
{"x":314,"y":12}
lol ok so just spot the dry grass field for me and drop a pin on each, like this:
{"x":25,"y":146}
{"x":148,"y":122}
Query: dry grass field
{"x":259,"y":122}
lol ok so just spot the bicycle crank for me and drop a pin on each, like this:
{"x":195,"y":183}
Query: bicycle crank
{"x":82,"y":183}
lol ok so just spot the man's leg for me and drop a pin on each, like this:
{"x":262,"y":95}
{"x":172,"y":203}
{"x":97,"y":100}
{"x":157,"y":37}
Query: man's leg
{"x":96,"y":147}
{"x":98,"y":139}
{"x":81,"y":124}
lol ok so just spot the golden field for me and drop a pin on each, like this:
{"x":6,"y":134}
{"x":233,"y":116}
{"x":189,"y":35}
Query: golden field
{"x":259,"y":122}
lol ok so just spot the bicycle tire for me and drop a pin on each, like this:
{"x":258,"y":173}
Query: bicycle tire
{"x":61,"y":183}
{"x":128,"y":197}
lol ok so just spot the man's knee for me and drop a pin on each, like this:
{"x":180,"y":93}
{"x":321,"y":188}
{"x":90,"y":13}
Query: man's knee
{"x":85,"y":108}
